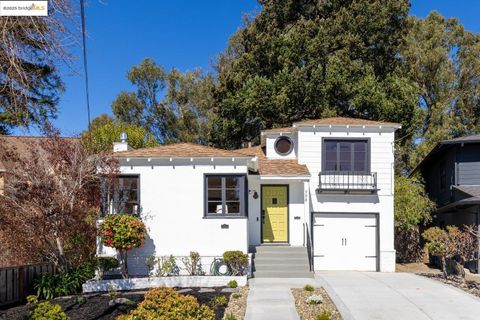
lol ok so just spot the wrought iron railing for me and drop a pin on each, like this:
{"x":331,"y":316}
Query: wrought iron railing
{"x":347,"y":181}
{"x":308,"y":244}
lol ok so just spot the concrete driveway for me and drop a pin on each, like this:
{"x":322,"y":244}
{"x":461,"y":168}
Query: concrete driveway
{"x":370,"y":295}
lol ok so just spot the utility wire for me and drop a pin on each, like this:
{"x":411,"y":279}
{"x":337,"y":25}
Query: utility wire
{"x":82,"y":13}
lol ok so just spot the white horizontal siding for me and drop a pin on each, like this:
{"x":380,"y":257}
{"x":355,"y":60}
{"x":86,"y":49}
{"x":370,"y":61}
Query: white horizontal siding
{"x":270,"y":146}
{"x":381,"y":153}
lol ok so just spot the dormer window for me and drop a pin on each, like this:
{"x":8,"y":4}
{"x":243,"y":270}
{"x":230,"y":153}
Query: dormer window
{"x":283,"y":145}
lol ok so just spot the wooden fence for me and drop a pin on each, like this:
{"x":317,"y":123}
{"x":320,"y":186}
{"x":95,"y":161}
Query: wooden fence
{"x":16,"y":283}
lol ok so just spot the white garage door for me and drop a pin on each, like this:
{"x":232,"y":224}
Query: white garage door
{"x":345,"y":241}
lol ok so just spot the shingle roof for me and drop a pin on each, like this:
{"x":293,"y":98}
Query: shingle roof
{"x":340,"y":121}
{"x":178,"y":150}
{"x":467,"y":139}
{"x":275,"y":167}
{"x":279,"y":130}
{"x":346,"y":121}
{"x":473,"y":191}
{"x":444,"y":145}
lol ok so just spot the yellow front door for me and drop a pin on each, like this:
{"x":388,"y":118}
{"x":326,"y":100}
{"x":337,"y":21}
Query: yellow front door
{"x":275,"y":214}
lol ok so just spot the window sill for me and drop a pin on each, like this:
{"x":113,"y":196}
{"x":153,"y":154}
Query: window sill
{"x":225,"y":217}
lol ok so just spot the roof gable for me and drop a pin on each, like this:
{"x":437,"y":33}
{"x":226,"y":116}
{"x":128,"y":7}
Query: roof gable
{"x":275,"y":167}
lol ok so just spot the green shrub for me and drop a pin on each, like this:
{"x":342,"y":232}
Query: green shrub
{"x":46,"y":311}
{"x":49,"y":286}
{"x":104,"y":264}
{"x":230,"y":316}
{"x":192,"y":263}
{"x":309,"y":288}
{"x":237,"y":262}
{"x":219,"y":301}
{"x":166,"y":303}
{"x":315,"y":299}
{"x":112,"y":293}
{"x":232,"y":284}
{"x":325,"y":315}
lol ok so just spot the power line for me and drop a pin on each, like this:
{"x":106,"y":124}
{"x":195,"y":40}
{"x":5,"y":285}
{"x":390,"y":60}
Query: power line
{"x":82,"y":13}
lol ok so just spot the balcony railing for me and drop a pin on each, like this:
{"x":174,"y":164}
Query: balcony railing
{"x":347,"y":181}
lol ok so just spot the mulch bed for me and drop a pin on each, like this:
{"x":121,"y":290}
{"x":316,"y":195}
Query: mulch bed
{"x":472,"y":287}
{"x":310,"y":311}
{"x":96,"y":306}
{"x":238,"y":303}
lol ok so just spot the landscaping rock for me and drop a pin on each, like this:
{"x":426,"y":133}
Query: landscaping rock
{"x":230,"y":290}
{"x":184,"y":291}
{"x":206,"y":290}
{"x":118,"y":301}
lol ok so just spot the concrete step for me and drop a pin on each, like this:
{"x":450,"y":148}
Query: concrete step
{"x":280,"y":256}
{"x":286,"y":268}
{"x":282,"y":274}
{"x":278,"y":249}
{"x":281,"y":260}
{"x":285,"y":263}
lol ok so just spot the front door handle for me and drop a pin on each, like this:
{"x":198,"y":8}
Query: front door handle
{"x":343,"y":241}
{"x":263,"y":216}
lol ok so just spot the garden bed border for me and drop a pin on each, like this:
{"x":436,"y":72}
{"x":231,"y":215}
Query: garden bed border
{"x":153,"y":282}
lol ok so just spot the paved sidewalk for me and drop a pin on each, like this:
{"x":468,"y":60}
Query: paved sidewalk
{"x":371,"y":295}
{"x":271,"y":298}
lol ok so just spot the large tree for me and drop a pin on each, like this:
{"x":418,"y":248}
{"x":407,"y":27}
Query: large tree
{"x":444,"y":60}
{"x":104,"y":131}
{"x":171,"y":105}
{"x":31,"y":49}
{"x":310,"y":59}
{"x":50,"y":201}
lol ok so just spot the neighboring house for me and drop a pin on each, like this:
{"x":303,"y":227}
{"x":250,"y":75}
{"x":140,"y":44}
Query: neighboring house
{"x":452,"y":179}
{"x":324,"y":184}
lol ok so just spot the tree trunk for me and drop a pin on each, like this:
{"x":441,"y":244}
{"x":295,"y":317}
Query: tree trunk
{"x":444,"y":267}
{"x":123,"y":259}
{"x":63,"y":263}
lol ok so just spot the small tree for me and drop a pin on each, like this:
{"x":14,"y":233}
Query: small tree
{"x":122,"y":232}
{"x":412,"y":208}
{"x":451,"y":245}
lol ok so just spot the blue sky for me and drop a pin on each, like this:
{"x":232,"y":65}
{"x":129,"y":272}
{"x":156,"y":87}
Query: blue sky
{"x":182,"y":34}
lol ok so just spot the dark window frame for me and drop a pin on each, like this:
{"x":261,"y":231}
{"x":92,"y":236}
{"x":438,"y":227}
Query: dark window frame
{"x":292,"y":145}
{"x":443,"y":175}
{"x":352,"y":162}
{"x":243,"y":199}
{"x":105,"y":207}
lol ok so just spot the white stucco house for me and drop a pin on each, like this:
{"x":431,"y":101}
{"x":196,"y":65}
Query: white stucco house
{"x":324,"y":184}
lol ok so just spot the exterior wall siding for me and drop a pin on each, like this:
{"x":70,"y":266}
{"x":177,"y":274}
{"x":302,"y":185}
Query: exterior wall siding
{"x":432,"y":174}
{"x":382,"y":161}
{"x":270,"y":146}
{"x":469,"y":164}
